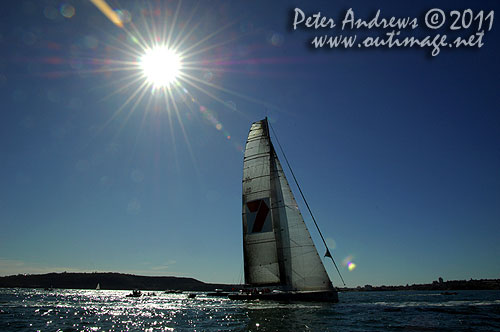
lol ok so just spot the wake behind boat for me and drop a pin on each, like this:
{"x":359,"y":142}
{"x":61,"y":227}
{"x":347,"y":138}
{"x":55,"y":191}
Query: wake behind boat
{"x":281,"y":261}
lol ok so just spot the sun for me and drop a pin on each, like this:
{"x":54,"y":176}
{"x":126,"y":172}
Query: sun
{"x":161,"y":66}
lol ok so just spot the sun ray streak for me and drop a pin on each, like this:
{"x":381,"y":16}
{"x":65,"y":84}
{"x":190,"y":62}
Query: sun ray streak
{"x":186,"y":51}
{"x":149,"y":34}
{"x":140,"y":39}
{"x":172,"y":136}
{"x":123,"y":43}
{"x":175,"y":43}
{"x":131,"y":111}
{"x":129,"y":51}
{"x":143,"y":85}
{"x":124,"y":87}
{"x":208,"y":48}
{"x":143,"y":123}
{"x":184,"y":133}
{"x":169,"y":38}
{"x":154,"y":37}
{"x":208,"y":93}
{"x":179,"y":42}
{"x":186,"y":78}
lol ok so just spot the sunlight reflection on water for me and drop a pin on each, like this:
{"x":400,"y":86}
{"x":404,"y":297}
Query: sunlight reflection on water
{"x":106,"y":310}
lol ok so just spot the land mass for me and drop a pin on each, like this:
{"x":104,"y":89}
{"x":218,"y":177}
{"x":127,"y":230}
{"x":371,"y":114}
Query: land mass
{"x":111,"y":280}
{"x":438,"y":285}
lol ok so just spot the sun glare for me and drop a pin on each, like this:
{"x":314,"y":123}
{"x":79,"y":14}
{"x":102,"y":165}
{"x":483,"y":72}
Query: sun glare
{"x":161,"y":66}
{"x":172,"y":65}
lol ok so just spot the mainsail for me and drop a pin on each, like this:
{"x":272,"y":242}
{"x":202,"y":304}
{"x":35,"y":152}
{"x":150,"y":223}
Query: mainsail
{"x":278,"y":249}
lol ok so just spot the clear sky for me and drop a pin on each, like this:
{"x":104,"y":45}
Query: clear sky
{"x":398,"y":152}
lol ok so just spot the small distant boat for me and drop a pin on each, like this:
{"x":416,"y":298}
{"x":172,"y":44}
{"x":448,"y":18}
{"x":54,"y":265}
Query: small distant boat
{"x":191,"y":296}
{"x":173,"y":291}
{"x":280,"y":259}
{"x":449,"y":293}
{"x":98,"y":287}
{"x":135,"y":293}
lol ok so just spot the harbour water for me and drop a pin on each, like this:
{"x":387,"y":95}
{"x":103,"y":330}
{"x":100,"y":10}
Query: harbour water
{"x":106,"y":310}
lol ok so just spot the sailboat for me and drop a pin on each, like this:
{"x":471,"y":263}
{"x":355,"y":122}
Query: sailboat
{"x":98,"y":287}
{"x":280,"y":259}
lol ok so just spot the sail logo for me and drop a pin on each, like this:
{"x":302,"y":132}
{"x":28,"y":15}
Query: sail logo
{"x":258,"y":217}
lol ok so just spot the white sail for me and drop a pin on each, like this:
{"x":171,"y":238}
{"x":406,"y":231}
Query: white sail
{"x":305,"y":270}
{"x":278,"y":248}
{"x":260,"y":253}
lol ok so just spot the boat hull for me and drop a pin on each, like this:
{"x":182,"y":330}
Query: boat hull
{"x":328,"y":296}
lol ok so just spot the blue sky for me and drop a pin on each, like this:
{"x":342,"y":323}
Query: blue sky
{"x":397,"y":151}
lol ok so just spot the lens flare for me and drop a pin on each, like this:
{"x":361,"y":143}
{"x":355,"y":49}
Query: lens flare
{"x":67,"y":10}
{"x":349,"y":263}
{"x":108,"y":11}
{"x":346,"y":260}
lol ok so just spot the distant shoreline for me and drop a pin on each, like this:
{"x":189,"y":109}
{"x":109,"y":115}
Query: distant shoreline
{"x":107,"y":280}
{"x":440,"y":285}
{"x":121,"y":281}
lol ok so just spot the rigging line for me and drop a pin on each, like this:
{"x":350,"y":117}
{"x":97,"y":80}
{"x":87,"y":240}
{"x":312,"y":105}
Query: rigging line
{"x":327,"y":254}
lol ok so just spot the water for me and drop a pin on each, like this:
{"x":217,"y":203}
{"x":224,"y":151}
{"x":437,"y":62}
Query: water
{"x":92,"y":310}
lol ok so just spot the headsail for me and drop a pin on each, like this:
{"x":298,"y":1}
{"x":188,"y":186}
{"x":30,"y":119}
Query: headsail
{"x":278,"y":248}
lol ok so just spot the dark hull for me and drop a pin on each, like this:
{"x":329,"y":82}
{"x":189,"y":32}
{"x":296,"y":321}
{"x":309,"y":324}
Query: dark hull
{"x":331,"y":296}
{"x":218,"y":294}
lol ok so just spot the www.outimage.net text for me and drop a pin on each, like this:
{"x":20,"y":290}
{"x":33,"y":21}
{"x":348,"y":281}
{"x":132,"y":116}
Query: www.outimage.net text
{"x":396,"y":32}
